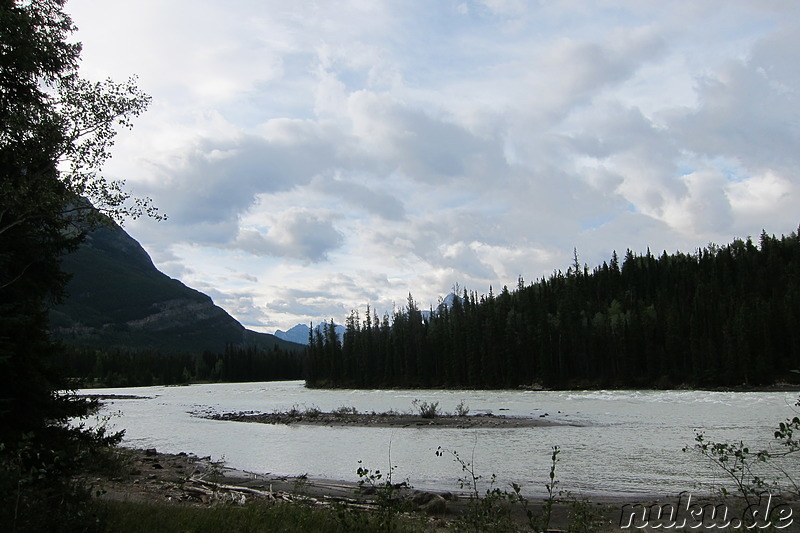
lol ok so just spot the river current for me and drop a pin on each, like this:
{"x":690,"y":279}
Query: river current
{"x":613,"y":443}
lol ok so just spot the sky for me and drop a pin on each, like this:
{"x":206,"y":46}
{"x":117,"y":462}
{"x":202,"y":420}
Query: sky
{"x":314,"y":157}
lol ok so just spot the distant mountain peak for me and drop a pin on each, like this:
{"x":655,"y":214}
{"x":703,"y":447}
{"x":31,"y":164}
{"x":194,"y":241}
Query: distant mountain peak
{"x":299,"y":333}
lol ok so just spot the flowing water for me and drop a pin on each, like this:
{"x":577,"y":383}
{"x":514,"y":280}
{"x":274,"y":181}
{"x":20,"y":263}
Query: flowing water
{"x":612,"y":442}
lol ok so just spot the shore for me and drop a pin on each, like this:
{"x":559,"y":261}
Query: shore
{"x":183,"y":479}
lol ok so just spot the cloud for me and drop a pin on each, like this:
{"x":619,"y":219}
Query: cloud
{"x":322,"y":298}
{"x":296,"y":234}
{"x":210,"y":182}
{"x":763,"y":199}
{"x":379,"y":203}
{"x":354,"y":152}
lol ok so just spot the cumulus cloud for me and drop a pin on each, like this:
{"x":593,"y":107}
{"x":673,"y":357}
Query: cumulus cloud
{"x":376,"y":202}
{"x":296,"y":234}
{"x":211,"y":182}
{"x":351,"y":153}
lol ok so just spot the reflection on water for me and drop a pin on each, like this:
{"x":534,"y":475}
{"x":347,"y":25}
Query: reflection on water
{"x":629,"y":442}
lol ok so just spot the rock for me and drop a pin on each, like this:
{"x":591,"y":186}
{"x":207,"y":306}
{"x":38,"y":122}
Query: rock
{"x":420,"y":497}
{"x":429,"y":502}
{"x":150,"y":452}
{"x":437,"y":505}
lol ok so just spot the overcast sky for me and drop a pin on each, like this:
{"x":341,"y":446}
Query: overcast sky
{"x":314,"y":157}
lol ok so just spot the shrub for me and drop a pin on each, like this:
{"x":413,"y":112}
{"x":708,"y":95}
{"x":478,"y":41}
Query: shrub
{"x":744,"y":466}
{"x":425,"y":409}
{"x":345,"y":410}
{"x":312,"y":412}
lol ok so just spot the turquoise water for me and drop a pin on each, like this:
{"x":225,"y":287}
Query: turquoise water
{"x":612,"y":442}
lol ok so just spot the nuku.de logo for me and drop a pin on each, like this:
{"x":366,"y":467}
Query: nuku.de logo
{"x":686,"y":514}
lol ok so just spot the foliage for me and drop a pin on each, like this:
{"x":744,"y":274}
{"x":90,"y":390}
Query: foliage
{"x":487,"y":511}
{"x":541,"y":521}
{"x":386,"y":494}
{"x":345,"y":410}
{"x":462,"y":409}
{"x":551,"y":488}
{"x":584,"y":518}
{"x":312,"y":412}
{"x":426,"y":409}
{"x":754,"y":472}
{"x":37,"y":480}
{"x":493,"y":509}
{"x":722,"y":316}
{"x":127,"y":368}
{"x":55,"y":132}
{"x":132,"y":517}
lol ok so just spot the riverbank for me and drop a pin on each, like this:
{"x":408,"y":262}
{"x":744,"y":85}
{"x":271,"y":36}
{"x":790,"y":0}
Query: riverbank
{"x":149,"y":478}
{"x":151,"y":487}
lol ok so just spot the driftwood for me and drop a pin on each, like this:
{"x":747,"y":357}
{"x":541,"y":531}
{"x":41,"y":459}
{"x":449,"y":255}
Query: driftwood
{"x":233,"y":488}
{"x":206,"y":495}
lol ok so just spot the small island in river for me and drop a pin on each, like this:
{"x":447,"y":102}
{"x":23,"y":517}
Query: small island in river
{"x":390,"y":419}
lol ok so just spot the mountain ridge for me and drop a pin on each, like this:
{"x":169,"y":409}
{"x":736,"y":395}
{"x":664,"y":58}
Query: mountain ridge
{"x":300,"y":332}
{"x":118,"y":300}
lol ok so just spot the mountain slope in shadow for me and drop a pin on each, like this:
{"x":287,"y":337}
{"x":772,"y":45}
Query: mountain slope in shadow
{"x":118,"y":299}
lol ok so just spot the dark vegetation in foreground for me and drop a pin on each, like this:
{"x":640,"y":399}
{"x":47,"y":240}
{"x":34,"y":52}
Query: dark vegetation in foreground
{"x":723,"y":316}
{"x":149,"y":491}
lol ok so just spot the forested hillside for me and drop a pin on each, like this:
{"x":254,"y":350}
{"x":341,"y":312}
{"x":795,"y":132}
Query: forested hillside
{"x":722,"y":316}
{"x":91,"y":367}
{"x":125,"y":323}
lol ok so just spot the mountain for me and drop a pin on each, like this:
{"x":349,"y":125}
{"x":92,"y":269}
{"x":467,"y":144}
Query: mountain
{"x":299,"y":333}
{"x":117,"y":299}
{"x":446,"y":303}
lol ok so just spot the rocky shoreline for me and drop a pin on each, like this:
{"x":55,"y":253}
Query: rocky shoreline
{"x":184,"y":479}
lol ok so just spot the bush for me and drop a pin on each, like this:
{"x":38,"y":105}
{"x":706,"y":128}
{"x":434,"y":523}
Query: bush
{"x":754,"y":472}
{"x":42,"y":485}
{"x":425,"y":409}
{"x":345,"y":410}
{"x":312,"y":412}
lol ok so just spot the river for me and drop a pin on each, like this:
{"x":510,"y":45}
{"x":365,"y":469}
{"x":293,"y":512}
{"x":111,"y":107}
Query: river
{"x":613,"y":443}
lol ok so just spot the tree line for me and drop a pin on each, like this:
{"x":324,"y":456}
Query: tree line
{"x":720,"y":317}
{"x":90,"y":367}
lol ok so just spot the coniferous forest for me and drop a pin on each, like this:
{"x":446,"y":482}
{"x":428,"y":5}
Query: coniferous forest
{"x":724,"y":316}
{"x":89,"y":367}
